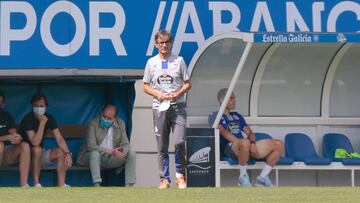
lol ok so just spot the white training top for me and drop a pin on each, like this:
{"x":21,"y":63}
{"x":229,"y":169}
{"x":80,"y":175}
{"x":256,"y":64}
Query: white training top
{"x":166,"y":76}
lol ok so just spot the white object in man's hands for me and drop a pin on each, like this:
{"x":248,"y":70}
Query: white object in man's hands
{"x":164,"y":105}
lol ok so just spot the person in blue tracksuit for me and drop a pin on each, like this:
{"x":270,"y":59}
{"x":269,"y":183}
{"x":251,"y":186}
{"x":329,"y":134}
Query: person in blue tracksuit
{"x":238,"y":141}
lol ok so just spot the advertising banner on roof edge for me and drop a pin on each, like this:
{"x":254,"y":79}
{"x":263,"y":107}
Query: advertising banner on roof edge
{"x":119,"y":34}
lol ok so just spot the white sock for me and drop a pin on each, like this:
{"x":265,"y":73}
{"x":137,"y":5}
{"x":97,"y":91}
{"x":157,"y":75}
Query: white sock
{"x":178,"y":175}
{"x":265,"y":172}
{"x":243,"y":170}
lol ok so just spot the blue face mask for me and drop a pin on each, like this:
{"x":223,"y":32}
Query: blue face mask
{"x":105,"y":123}
{"x":39,"y":110}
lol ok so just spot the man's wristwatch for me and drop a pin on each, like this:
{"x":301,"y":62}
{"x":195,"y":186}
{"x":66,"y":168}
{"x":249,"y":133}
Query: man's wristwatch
{"x":68,"y":153}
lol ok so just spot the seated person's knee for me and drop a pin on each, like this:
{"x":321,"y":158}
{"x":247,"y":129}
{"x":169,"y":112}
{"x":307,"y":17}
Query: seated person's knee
{"x":243,"y":144}
{"x":94,"y":154}
{"x":59,"y":153}
{"x":24,"y":147}
{"x":36,"y":151}
{"x":279,"y":145}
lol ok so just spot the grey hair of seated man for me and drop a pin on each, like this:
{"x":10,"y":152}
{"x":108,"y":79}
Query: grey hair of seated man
{"x":221,"y":94}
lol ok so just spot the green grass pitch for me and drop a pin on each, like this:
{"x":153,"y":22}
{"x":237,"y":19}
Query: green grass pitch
{"x":208,"y":195}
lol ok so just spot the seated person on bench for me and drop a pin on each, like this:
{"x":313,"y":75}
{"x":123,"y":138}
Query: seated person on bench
{"x":33,"y":128}
{"x":235,"y":145}
{"x":107,"y":146}
{"x":18,"y":151}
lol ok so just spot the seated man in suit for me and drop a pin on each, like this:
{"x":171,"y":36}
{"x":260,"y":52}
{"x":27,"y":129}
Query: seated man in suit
{"x":234,"y":144}
{"x":107,"y":146}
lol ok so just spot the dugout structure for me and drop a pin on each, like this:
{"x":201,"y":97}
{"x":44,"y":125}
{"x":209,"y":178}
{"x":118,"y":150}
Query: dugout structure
{"x":284,"y":82}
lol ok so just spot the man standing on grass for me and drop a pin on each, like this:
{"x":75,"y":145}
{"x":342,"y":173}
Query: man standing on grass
{"x":166,"y":79}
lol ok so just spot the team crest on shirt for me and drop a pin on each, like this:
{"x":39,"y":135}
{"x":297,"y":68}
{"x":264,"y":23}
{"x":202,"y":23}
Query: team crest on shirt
{"x":236,"y":117}
{"x":234,"y":127}
{"x":165,"y":79}
{"x":230,"y":117}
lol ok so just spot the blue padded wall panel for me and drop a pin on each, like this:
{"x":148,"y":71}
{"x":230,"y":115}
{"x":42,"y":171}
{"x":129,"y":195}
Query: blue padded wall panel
{"x":18,"y":98}
{"x":74,"y":104}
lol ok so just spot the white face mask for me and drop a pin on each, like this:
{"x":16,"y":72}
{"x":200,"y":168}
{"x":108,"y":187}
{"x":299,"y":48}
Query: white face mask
{"x":39,"y":110}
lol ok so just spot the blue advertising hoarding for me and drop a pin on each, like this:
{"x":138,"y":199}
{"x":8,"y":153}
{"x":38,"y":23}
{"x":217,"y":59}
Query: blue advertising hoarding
{"x":119,"y":34}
